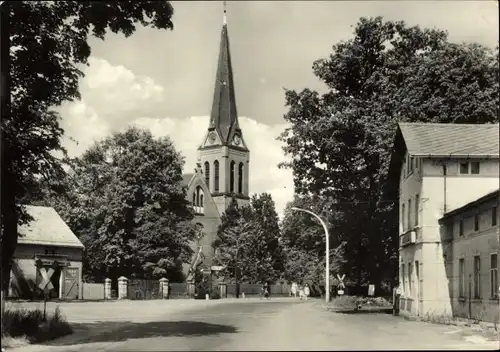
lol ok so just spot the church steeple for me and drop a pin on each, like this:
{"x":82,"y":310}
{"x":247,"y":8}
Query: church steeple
{"x":224,"y":116}
{"x":224,"y":156}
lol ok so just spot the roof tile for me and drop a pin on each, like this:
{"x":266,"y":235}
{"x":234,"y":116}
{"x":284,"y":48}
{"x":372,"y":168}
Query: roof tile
{"x":451,"y":139}
{"x":47,"y":228}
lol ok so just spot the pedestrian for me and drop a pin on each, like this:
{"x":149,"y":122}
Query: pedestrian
{"x":301,"y":292}
{"x":294,"y":289}
{"x":266,"y":291}
{"x":307,"y":291}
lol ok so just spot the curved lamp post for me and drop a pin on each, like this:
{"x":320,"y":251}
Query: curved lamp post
{"x":327,"y":255}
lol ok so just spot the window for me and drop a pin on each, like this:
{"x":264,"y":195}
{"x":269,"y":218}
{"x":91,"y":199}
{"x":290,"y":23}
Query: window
{"x":207,"y":174}
{"x":403,"y":277}
{"x":461,"y":227}
{"x":412,"y":163}
{"x":199,"y":201}
{"x":494,"y":216}
{"x":417,"y":206}
{"x":477,"y":277}
{"x":410,"y":277}
{"x":240,"y":178}
{"x":474,"y":167}
{"x":409,"y":213}
{"x":461,"y":278}
{"x":494,"y":276}
{"x":464,"y":167}
{"x":476,"y":222}
{"x":403,"y":214}
{"x":216,"y":176}
{"x":231,"y":177}
{"x":194,"y":199}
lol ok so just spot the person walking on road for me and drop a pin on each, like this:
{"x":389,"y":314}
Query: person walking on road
{"x":294,"y":289}
{"x":307,"y":291}
{"x":301,"y":292}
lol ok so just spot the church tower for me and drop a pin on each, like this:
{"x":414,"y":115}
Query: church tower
{"x":223,"y":154}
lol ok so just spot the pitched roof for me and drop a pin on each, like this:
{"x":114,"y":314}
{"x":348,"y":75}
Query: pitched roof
{"x":483,"y":199}
{"x":47,"y":228}
{"x":224,"y":116}
{"x":440,"y":139}
{"x":186,"y":178}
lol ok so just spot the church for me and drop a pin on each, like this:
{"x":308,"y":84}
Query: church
{"x":222,"y":170}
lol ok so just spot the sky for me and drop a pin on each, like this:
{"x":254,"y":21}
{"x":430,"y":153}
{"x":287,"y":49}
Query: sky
{"x":164,"y":80}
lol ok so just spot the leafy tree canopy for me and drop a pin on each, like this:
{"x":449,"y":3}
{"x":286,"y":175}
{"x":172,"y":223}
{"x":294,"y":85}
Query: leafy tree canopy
{"x":303,"y":240}
{"x":249,"y":237}
{"x":340,"y":141}
{"x":125,"y":199}
{"x":47,"y":43}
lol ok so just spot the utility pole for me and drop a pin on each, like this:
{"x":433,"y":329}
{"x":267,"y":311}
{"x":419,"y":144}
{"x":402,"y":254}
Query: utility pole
{"x":327,"y":255}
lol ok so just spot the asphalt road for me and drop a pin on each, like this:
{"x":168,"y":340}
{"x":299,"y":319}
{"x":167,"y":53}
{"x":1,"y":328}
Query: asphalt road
{"x":280,"y":324}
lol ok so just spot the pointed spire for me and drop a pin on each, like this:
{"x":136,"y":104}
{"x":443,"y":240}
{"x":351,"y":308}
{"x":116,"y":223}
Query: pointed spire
{"x":224,"y":19}
{"x":224,"y":116}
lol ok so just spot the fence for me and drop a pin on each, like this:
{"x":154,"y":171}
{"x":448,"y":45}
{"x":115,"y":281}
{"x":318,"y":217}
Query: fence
{"x":144,"y":289}
{"x":180,"y":290}
{"x":92,"y":291}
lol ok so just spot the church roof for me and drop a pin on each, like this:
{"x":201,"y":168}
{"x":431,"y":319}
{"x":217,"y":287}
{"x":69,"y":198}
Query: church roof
{"x":186,"y":178}
{"x":224,"y":116}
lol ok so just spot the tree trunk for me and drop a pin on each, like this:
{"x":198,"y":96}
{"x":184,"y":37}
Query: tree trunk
{"x":8,"y":230}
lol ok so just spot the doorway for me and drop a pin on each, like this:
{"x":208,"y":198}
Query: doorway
{"x":418,"y":288}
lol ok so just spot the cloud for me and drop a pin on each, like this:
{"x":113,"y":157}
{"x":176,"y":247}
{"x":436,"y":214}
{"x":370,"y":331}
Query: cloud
{"x":114,"y":98}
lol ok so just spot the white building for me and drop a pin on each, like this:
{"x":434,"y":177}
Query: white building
{"x":435,"y":169}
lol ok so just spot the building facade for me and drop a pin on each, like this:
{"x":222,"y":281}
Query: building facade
{"x":435,"y":169}
{"x":222,"y":170}
{"x":47,"y":250}
{"x":470,"y":248}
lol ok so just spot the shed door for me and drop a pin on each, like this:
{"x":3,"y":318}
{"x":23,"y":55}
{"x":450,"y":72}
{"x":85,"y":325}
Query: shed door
{"x":71,"y":279}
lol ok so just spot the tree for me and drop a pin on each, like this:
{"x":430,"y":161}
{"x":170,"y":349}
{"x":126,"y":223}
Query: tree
{"x":129,"y":205}
{"x":248,"y":241}
{"x":47,"y":42}
{"x":340,"y":141}
{"x":303,"y":241}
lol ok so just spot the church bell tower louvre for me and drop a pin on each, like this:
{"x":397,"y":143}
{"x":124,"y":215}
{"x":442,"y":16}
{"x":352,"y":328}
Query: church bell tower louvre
{"x":223,"y":154}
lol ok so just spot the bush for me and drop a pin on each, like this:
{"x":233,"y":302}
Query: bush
{"x":30,"y":325}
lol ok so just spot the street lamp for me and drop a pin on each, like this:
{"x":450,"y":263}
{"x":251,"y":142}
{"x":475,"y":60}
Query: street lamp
{"x":327,"y":255}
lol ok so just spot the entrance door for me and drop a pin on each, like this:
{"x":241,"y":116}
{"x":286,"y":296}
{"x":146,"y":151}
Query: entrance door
{"x":71,"y":279}
{"x":418,"y":288}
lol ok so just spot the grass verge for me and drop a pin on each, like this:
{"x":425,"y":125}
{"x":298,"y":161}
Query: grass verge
{"x":23,"y":326}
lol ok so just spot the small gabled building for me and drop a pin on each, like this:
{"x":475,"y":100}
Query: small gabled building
{"x":435,"y":169}
{"x":47,"y":250}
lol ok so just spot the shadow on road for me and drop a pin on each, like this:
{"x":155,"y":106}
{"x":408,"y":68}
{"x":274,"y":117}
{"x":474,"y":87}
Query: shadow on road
{"x":122,"y":331}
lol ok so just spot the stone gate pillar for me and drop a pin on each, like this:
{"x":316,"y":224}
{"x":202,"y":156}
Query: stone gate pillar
{"x":107,"y":288}
{"x":164,"y":287}
{"x":122,"y":287}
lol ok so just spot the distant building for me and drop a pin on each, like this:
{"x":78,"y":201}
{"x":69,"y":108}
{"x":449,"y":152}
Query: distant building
{"x":470,"y":239}
{"x":435,"y":169}
{"x":222,"y":171}
{"x":46,"y":244}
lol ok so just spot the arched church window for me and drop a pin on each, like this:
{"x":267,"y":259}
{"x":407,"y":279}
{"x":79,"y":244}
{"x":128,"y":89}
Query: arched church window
{"x":194,"y":199}
{"x":240,"y":178}
{"x":207,"y":174}
{"x":216,"y":176}
{"x":199,"y":206}
{"x":198,"y":196}
{"x":231,"y":178}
